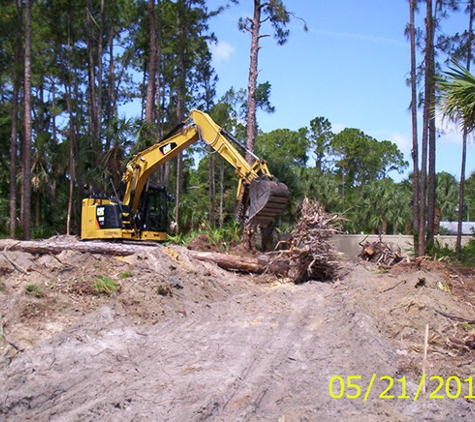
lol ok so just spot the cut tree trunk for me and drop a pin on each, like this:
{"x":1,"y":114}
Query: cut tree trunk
{"x":56,"y":247}
{"x":260,"y":264}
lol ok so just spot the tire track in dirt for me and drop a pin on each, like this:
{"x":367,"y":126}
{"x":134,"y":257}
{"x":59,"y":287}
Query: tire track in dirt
{"x":263,"y":355}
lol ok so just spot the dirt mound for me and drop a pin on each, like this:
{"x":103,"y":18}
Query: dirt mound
{"x":202,"y":242}
{"x":172,"y":338}
{"x":42,"y":295}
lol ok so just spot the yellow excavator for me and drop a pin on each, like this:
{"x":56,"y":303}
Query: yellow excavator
{"x":142,"y":212}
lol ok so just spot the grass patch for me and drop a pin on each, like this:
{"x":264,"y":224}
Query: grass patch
{"x":104,"y":284}
{"x":467,"y":326}
{"x":34,"y":290}
{"x":125,"y":274}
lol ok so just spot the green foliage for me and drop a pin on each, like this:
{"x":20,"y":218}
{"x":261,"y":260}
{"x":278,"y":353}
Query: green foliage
{"x":125,"y":274}
{"x":320,"y":136}
{"x":444,"y":252}
{"x":447,"y":196}
{"x":226,"y":236}
{"x":283,"y":146}
{"x":361,"y":158}
{"x":326,"y":187}
{"x":105,"y":284}
{"x":385,"y":207}
{"x":441,"y":251}
{"x":182,"y":238}
{"x":458,"y":96}
{"x":34,"y":290}
{"x":276,"y":13}
{"x":42,"y":232}
{"x":4,"y":214}
{"x":467,"y":256}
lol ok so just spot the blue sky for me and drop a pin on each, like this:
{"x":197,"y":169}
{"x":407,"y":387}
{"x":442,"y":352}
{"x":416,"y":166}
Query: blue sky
{"x":350,"y":67}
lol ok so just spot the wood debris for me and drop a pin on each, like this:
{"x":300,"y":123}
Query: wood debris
{"x":381,"y":253}
{"x":311,"y":255}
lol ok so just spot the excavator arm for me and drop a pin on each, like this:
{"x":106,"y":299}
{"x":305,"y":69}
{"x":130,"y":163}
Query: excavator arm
{"x":262,"y":196}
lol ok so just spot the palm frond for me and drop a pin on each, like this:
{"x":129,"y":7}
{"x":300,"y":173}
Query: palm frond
{"x":458,"y":100}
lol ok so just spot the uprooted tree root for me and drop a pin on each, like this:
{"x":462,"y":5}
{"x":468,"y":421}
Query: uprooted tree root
{"x":310,"y":255}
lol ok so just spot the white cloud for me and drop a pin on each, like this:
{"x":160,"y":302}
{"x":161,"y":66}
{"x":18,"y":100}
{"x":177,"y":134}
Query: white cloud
{"x":450,"y":132}
{"x":221,"y":51}
{"x":337,"y":128}
{"x":403,"y":142}
{"x":366,"y":38}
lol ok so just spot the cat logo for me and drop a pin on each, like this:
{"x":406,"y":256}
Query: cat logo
{"x":100,"y":211}
{"x":167,"y":148}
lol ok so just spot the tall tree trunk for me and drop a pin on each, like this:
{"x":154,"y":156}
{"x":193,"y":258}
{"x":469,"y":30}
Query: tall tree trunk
{"x":94,"y":51}
{"x":68,"y":90}
{"x":163,"y":170}
{"x":98,"y":126}
{"x":14,"y":131}
{"x":53,"y":107}
{"x":458,"y":243}
{"x":221,"y":191}
{"x":212,"y":191}
{"x":26,"y":150}
{"x":425,"y":132}
{"x":180,"y":113}
{"x":431,"y":194}
{"x":110,"y":108}
{"x":415,"y":148}
{"x":249,"y":239}
{"x":152,"y":63}
{"x":182,"y":33}
{"x":252,"y":82}
{"x":13,"y":158}
{"x":93,"y":112}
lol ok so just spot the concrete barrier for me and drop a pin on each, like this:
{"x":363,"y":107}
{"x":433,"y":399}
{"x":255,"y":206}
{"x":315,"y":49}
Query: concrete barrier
{"x":349,"y":244}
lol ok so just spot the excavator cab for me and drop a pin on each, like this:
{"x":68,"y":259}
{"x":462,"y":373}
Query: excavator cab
{"x":153,"y":211}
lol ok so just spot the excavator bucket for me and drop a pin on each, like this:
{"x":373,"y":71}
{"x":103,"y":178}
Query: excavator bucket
{"x":268,"y":199}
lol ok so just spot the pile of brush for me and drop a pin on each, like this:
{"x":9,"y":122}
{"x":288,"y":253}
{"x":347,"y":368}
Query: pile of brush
{"x":381,"y":253}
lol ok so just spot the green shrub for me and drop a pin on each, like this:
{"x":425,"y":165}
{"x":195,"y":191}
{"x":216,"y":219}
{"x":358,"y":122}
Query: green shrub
{"x":34,"y":290}
{"x":104,"y":284}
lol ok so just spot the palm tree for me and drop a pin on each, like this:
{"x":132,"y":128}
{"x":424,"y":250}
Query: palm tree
{"x":458,"y":104}
{"x":447,"y":189}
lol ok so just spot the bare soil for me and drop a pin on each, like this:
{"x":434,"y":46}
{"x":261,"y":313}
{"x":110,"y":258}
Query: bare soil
{"x":184,"y":340}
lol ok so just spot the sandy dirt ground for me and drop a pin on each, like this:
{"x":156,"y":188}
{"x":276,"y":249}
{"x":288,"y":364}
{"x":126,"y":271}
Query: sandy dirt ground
{"x":184,"y":340}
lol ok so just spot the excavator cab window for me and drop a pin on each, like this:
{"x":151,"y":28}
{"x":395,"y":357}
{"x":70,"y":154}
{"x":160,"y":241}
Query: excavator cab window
{"x":153,"y":209}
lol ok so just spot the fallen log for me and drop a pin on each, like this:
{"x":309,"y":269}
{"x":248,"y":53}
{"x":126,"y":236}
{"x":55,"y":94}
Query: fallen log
{"x":58,"y":246}
{"x":259,"y":264}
